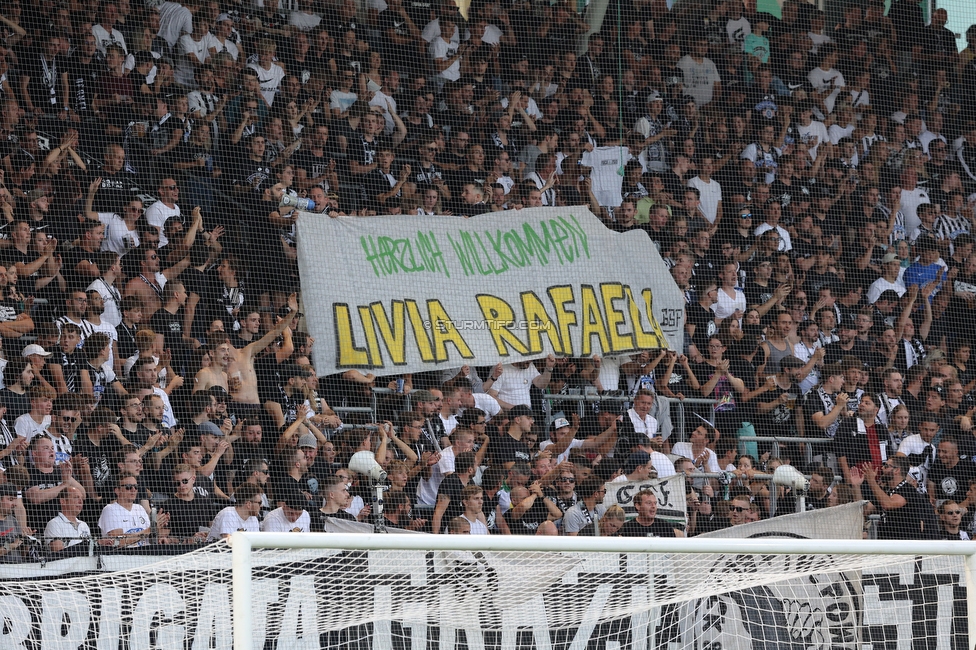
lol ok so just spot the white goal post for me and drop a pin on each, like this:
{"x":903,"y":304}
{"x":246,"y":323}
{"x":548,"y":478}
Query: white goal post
{"x":699,"y":571}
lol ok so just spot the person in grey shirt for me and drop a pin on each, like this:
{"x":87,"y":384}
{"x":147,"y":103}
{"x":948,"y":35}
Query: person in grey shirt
{"x":587,"y":510}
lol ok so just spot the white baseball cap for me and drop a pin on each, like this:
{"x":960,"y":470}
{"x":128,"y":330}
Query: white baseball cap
{"x":34,"y":348}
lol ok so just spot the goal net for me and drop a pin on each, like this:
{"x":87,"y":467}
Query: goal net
{"x":417,"y":592}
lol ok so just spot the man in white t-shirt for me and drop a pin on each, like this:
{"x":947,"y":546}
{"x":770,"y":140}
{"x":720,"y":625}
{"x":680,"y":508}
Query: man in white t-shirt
{"x":174,"y":21}
{"x":289,"y":518}
{"x":241,"y":516}
{"x":811,"y":133}
{"x":124,"y":522}
{"x":510,"y":383}
{"x":890,"y":280}
{"x":445,"y":52}
{"x":912,"y":196}
{"x":302,"y":19}
{"x":166,"y":207}
{"x":383,"y":99}
{"x":36,"y":421}
{"x":701,"y":78}
{"x":709,"y":191}
{"x":918,"y":447}
{"x":269,"y":72}
{"x":104,"y":30}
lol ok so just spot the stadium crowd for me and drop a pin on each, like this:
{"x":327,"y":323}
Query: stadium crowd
{"x":810,"y":187}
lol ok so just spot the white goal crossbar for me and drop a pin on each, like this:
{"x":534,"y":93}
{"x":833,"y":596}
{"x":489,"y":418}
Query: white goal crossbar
{"x":243,"y":543}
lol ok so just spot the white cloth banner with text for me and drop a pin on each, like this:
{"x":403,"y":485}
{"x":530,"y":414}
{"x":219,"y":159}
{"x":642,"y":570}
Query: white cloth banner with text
{"x":400,"y":294}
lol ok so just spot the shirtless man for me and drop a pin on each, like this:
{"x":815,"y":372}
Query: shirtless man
{"x":238,"y":366}
{"x":149,"y":283}
{"x":220,"y":360}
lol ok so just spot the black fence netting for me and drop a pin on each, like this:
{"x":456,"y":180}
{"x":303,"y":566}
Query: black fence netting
{"x":806,"y":180}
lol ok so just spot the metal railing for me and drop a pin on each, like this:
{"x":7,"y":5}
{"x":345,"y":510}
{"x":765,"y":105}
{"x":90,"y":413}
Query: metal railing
{"x":677,"y":414}
{"x":806,"y":444}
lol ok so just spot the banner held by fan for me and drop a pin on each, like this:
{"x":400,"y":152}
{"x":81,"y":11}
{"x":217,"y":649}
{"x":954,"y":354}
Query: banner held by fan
{"x":392,"y":295}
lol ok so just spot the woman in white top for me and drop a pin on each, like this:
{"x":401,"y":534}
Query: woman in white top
{"x":472,"y":498}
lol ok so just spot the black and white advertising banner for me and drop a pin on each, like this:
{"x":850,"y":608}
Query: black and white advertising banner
{"x":424,"y":600}
{"x":915,"y":604}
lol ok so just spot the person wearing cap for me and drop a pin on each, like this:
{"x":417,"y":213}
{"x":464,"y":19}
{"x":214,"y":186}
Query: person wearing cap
{"x":223,"y":34}
{"x":38,"y":357}
{"x":562,"y":440}
{"x":215,"y":447}
{"x":847,"y":344}
{"x":824,"y":407}
{"x":309,"y":442}
{"x":883,"y":312}
{"x":510,"y":447}
{"x":291,"y":517}
{"x":655,"y":134}
{"x":646,"y":524}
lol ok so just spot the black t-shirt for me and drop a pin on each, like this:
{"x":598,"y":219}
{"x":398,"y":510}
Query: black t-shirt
{"x":451,"y":487}
{"x":38,"y":514}
{"x":375,"y":183}
{"x":245,"y":172}
{"x":171,"y":327}
{"x":833,"y":353}
{"x":17,"y":404}
{"x":506,"y":449}
{"x":657,"y":529}
{"x":45,"y":81}
{"x":314,"y":166}
{"x":82,"y":78}
{"x":914,"y":520}
{"x":101,"y":461}
{"x":757,"y":294}
{"x":528,"y":523}
{"x":72,"y":258}
{"x":704,"y":322}
{"x":187,"y":517}
{"x":952,"y":483}
{"x":321,"y":517}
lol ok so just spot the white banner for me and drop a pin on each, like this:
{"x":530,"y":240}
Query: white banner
{"x":670,"y":493}
{"x":390,"y":295}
